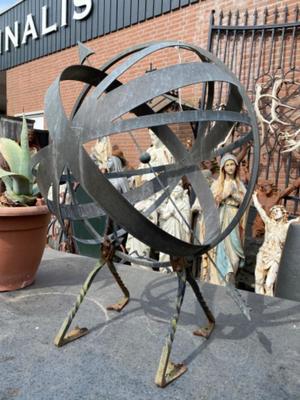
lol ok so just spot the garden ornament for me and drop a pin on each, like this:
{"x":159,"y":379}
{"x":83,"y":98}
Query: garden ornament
{"x":100,"y":113}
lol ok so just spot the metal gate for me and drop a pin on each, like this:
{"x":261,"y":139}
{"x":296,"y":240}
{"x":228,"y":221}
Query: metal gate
{"x":262,"y":52}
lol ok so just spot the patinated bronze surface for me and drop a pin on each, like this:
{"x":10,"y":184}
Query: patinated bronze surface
{"x":97,"y":114}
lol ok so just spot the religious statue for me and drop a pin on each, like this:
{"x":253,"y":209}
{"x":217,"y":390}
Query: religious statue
{"x":175,"y":216}
{"x":269,"y":197}
{"x":114,"y":164}
{"x":268,"y":257}
{"x":159,"y":155}
{"x":228,"y":191}
{"x":101,"y":151}
{"x":134,"y":246}
{"x":197,"y":221}
{"x":33,"y":142}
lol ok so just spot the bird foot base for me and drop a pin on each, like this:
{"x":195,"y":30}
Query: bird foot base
{"x":173,"y":372}
{"x":205,"y":331}
{"x":74,"y":334}
{"x":119,"y":305}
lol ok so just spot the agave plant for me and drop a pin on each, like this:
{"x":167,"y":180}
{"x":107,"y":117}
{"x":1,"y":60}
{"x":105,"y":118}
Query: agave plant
{"x":19,"y":181}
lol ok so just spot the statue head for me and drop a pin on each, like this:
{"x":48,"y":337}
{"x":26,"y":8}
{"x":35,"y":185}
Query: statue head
{"x":278,"y":213}
{"x":114,"y":164}
{"x":189,"y":144}
{"x":229,"y":165}
{"x":178,"y":192}
{"x":117,"y":152}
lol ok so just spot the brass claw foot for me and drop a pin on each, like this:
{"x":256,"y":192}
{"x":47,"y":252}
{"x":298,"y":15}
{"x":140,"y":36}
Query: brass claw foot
{"x":74,"y":334}
{"x":206,"y":331}
{"x":173,"y":372}
{"x":119,"y":305}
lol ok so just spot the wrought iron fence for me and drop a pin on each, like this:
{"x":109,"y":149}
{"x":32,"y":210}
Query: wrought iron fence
{"x":261,"y":49}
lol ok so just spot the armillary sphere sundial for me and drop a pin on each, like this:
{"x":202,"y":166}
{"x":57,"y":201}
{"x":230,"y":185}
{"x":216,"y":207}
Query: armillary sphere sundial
{"x":98,"y":113}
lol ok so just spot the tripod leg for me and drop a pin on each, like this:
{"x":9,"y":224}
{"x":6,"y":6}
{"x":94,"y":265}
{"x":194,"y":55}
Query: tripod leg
{"x":62,"y":337}
{"x":207,"y":330}
{"x":122,"y":302}
{"x":167,"y":371}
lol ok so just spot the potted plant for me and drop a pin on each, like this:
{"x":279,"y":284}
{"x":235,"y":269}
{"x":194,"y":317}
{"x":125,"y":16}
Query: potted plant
{"x":23,"y":220}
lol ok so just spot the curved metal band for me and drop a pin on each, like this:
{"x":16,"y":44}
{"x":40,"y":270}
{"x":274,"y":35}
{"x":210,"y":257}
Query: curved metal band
{"x":68,"y":134}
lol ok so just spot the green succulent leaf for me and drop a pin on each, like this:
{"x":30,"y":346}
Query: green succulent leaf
{"x":19,"y":184}
{"x":11,"y":152}
{"x":19,"y":181}
{"x":8,"y":183}
{"x":21,"y":199}
{"x":25,"y":161}
{"x":4,"y":174}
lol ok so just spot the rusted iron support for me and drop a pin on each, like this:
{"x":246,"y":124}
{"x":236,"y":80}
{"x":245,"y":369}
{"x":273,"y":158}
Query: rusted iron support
{"x":168,"y":371}
{"x":62,"y":337}
{"x":207,"y":330}
{"x":107,"y":254}
{"x":122,"y":302}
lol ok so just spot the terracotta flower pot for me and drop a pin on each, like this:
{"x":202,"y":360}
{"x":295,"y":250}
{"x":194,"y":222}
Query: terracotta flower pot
{"x":22,"y":242}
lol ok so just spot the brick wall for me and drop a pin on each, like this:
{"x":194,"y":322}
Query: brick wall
{"x":27,"y":84}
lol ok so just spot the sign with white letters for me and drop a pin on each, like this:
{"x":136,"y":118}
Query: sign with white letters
{"x":36,"y":28}
{"x":15,"y":37}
